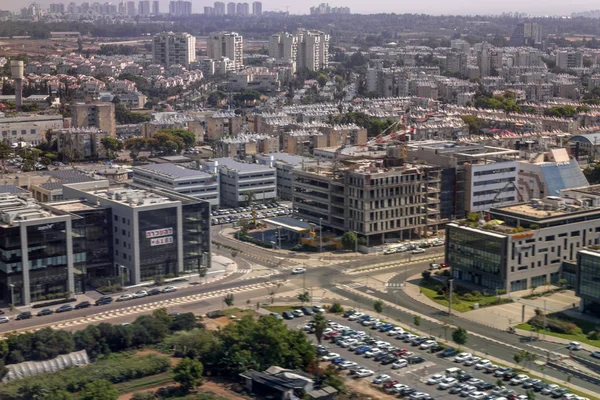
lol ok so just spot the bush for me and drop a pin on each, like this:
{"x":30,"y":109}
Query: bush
{"x":446,"y":272}
{"x":426,"y":275}
{"x":593,"y":335}
{"x":476,"y":294}
{"x":555,"y":325}
{"x":467,"y":297}
{"x":336,"y":308}
{"x":53,"y":303}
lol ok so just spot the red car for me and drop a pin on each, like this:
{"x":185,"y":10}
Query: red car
{"x":389,"y":383}
{"x":444,"y":265}
{"x":330,"y":335}
{"x":400,"y":352}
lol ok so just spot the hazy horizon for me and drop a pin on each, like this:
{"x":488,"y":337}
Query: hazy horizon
{"x":431,"y":7}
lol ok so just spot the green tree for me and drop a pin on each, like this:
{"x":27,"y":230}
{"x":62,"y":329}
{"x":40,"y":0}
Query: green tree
{"x":417,"y":320}
{"x":6,"y":152}
{"x":426,"y":275}
{"x":562,"y":283}
{"x":189,"y":140}
{"x":320,"y":324}
{"x":135,"y":146}
{"x":166,"y":143}
{"x":143,"y":396}
{"x":332,"y":378}
{"x":460,"y":336}
{"x":336,"y":308}
{"x":349,"y":240}
{"x":472,"y":122}
{"x":215,"y":98}
{"x":518,"y":357}
{"x":304,"y":297}
{"x":378,"y":306}
{"x":249,"y":197}
{"x":530,"y":394}
{"x":229,"y":299}
{"x":188,"y":373}
{"x":111,"y":146}
{"x":99,"y":390}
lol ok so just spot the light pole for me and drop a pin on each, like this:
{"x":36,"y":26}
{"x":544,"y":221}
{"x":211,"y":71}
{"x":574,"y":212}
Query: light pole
{"x":279,"y":236}
{"x":122,"y":277}
{"x":12,"y":294}
{"x":320,"y":234}
{"x":450,"y":282}
{"x":205,"y":260}
{"x":356,"y":242}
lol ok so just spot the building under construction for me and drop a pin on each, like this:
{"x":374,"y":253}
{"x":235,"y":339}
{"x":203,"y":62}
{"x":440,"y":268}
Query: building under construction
{"x":380,"y":200}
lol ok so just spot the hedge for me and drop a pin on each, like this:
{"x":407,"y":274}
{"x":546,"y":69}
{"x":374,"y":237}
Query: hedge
{"x":54,"y":303}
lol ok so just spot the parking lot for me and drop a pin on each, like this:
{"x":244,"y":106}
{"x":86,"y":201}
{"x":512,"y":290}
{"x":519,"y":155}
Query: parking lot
{"x":230,"y":215}
{"x":482,"y":384}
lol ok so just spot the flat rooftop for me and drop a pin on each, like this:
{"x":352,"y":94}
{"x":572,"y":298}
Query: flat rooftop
{"x":527,"y":209}
{"x":240,"y":166}
{"x":173,"y":171}
{"x":72,"y":206}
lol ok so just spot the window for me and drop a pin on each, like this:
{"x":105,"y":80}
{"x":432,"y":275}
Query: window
{"x":116,"y":217}
{"x":549,"y":238}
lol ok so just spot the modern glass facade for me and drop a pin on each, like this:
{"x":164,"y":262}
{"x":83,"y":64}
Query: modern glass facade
{"x":196,"y":234}
{"x":92,"y":236}
{"x":448,"y":188}
{"x":476,"y":257}
{"x":158,"y":242}
{"x":588,"y":276}
{"x":11,"y":264}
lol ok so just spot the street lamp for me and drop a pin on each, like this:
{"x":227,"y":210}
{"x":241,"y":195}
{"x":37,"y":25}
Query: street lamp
{"x":356,"y":242}
{"x":12,"y":293}
{"x":122,"y":277}
{"x":320,"y":234}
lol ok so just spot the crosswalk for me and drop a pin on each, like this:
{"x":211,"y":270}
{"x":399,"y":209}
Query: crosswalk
{"x":394,"y":284}
{"x":355,"y":285}
{"x":244,"y":271}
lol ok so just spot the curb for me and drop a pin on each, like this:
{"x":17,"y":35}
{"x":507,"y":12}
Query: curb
{"x":381,"y":266}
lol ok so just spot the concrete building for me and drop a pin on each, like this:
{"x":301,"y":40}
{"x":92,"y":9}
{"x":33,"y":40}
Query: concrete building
{"x":49,"y":185}
{"x":567,"y":59}
{"x":191,"y":182}
{"x":379,"y":200}
{"x":223,"y":124}
{"x":238,"y":180}
{"x":144,"y":8}
{"x":529,"y":246}
{"x":219,"y":8}
{"x":154,"y":232}
{"x":548,"y":173}
{"x":256,"y":8}
{"x":527,"y":34}
{"x":284,"y":164}
{"x":80,"y":143}
{"x":313,"y":50}
{"x":170,"y":48}
{"x":231,"y":8}
{"x":284,"y":47}
{"x":180,"y":8}
{"x":98,"y":115}
{"x":30,"y":129}
{"x":226,"y":44}
{"x":155,"y":7}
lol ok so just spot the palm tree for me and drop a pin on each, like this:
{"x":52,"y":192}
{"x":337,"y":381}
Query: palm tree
{"x":320,"y":323}
{"x":249,"y":197}
{"x":5,"y":153}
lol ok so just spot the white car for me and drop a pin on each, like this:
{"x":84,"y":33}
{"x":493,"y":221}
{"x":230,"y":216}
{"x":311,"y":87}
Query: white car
{"x":548,"y":389}
{"x":348,"y":342}
{"x":472,"y":361}
{"x":477,"y":395}
{"x":447,"y":383}
{"x":372,"y":353}
{"x":125,"y":297}
{"x":427,"y":344}
{"x":462,"y":357}
{"x":381,"y":378}
{"x":330,"y":356}
{"x":396,"y":331}
{"x":4,"y":320}
{"x":418,"y":250}
{"x":435,"y":379}
{"x":467,"y":390}
{"x":347,"y":364}
{"x":400,"y":363}
{"x":141,"y":293}
{"x":363,"y":373}
{"x":169,"y":289}
{"x":297,"y":271}
{"x":419,"y":396}
{"x":574,"y":346}
{"x":355,"y":316}
{"x":519,"y":379}
{"x":397,"y":388}
{"x":370,"y":322}
{"x":389,"y":251}
{"x":483,"y":364}
{"x":410,"y":337}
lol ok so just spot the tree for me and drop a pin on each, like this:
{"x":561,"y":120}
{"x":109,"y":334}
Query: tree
{"x":229,"y":300}
{"x":135,"y":145}
{"x":349,"y":240}
{"x":336,"y":308}
{"x":304,"y":297}
{"x":518,"y":357}
{"x":249,"y":197}
{"x":562,"y":283}
{"x":143,"y":396}
{"x":426,"y":275}
{"x":320,"y":324}
{"x":99,"y":390}
{"x":378,"y":306}
{"x":111,"y":146}
{"x":188,"y":373}
{"x":417,"y":320}
{"x":166,"y":143}
{"x":189,"y":140}
{"x":460,"y":336}
{"x":530,"y":394}
{"x":5,"y":153}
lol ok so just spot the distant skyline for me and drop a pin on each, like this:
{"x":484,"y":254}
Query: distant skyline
{"x":432,"y":7}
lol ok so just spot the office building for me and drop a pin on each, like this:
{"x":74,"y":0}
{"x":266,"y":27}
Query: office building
{"x":527,"y":34}
{"x":156,"y":7}
{"x":144,"y":8}
{"x":170,"y":48}
{"x":257,"y":8}
{"x":379,"y":200}
{"x":38,"y":252}
{"x":226,"y":44}
{"x":566,"y":59}
{"x":526,"y":244}
{"x":240,"y":181}
{"x":231,"y":8}
{"x":219,"y":8}
{"x":188,"y":181}
{"x":284,"y":164}
{"x":154,"y":232}
{"x":30,"y":129}
{"x":98,"y":115}
{"x":587,"y":285}
{"x":48,"y":186}
{"x":548,"y":173}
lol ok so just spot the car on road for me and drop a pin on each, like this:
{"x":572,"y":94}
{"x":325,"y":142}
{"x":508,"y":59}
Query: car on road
{"x":297,"y":313}
{"x":447,"y":383}
{"x":140,"y":294}
{"x":595,"y":354}
{"x":519,"y":379}
{"x":418,"y":250}
{"x":104,"y":300}
{"x":125,"y":297}
{"x":83,"y":304}
{"x":381,"y":378}
{"x":435,"y":379}
{"x":574,"y":346}
{"x":434,"y":266}
{"x":318,"y":309}
{"x":24,"y":315}
{"x":45,"y":311}
{"x":287,"y":315}
{"x":4,"y":320}
{"x":299,"y":270}
{"x":65,"y":308}
{"x":169,"y":289}
{"x":363,"y":373}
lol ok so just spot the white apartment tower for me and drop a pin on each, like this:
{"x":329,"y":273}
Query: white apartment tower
{"x":170,"y":48}
{"x":283,"y":46}
{"x":257,"y":8}
{"x":231,"y":8}
{"x":227,"y":44}
{"x":144,"y":8}
{"x":313,"y":50}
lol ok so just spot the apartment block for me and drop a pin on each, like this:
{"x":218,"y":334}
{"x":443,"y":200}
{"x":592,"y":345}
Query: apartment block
{"x":170,"y":48}
{"x":226,"y":44}
{"x":221,"y":125}
{"x":98,"y":115}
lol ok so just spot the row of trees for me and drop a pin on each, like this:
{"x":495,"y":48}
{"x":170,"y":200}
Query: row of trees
{"x":164,"y":142}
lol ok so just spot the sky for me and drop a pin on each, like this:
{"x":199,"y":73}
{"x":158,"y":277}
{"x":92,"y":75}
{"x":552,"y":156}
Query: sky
{"x":432,"y":7}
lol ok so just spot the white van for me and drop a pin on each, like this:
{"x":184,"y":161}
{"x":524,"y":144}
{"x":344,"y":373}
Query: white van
{"x":454,"y":372}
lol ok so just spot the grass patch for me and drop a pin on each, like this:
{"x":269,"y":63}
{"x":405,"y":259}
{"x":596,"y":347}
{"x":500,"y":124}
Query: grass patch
{"x":145,"y":383}
{"x":280,"y":309}
{"x":578,"y":337}
{"x":462,"y":300}
{"x":238,"y":312}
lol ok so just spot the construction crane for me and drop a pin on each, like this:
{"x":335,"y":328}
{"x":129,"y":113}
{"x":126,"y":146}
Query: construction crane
{"x":510,"y":183}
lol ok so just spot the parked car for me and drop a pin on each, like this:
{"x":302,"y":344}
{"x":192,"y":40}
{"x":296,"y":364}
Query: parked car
{"x":125,"y":297}
{"x":24,"y":315}
{"x":141,"y":293}
{"x":104,"y":300}
{"x":381,"y":378}
{"x":307,"y":311}
{"x":348,"y":313}
{"x":400,"y":363}
{"x":462,"y":357}
{"x":435,"y":379}
{"x":318,"y":309}
{"x":449,"y":352}
{"x":83,"y":304}
{"x":45,"y":311}
{"x":297,"y":313}
{"x":4,"y":320}
{"x":519,"y":379}
{"x":501,"y":371}
{"x":169,"y":289}
{"x":154,"y":292}
{"x":299,"y":270}
{"x":363,"y":373}
{"x":287,"y":315}
{"x":418,"y":250}
{"x":65,"y":308}
{"x":447,"y":383}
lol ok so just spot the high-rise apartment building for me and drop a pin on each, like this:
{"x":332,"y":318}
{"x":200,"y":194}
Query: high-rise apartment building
{"x":309,"y":49}
{"x":98,"y":114}
{"x":227,"y":44}
{"x":243,"y":9}
{"x":180,"y":8}
{"x":283,"y":46}
{"x":144,"y":8}
{"x":257,"y":8}
{"x":209,"y":11}
{"x":170,"y":48}
{"x":231,"y":8}
{"x":569,"y":58}
{"x":219,"y":8}
{"x":527,"y":34}
{"x":155,"y":7}
{"x":131,"y":11}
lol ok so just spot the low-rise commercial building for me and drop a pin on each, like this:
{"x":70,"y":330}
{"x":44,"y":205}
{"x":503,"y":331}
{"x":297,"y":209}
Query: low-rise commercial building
{"x":191,"y":182}
{"x":30,"y":129}
{"x":242,"y":182}
{"x":284,"y":164}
